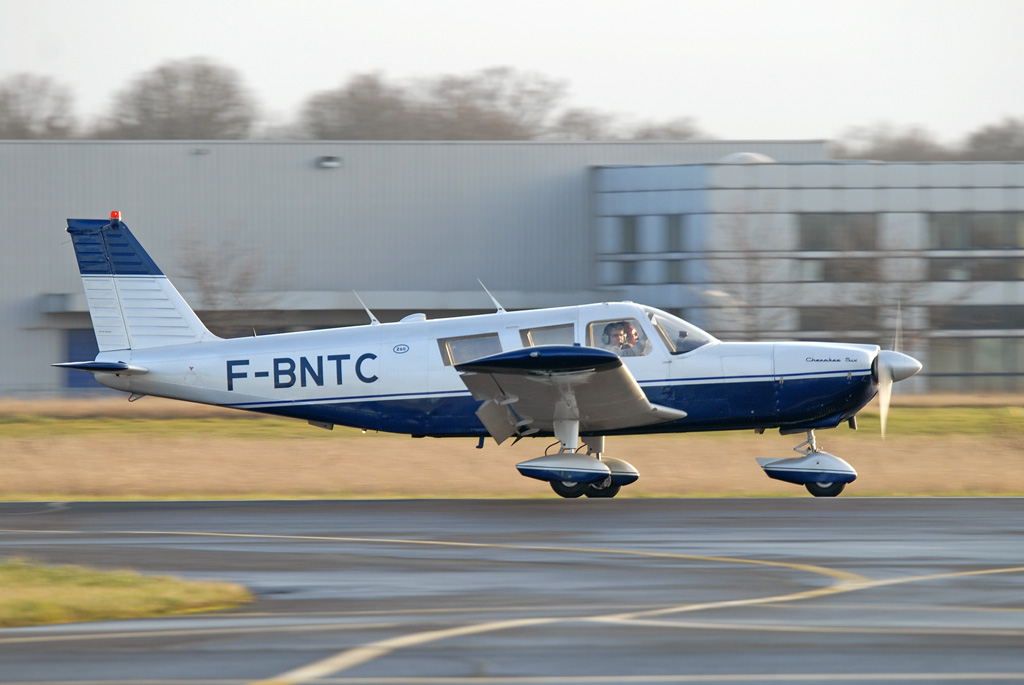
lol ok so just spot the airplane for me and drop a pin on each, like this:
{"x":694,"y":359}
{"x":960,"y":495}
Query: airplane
{"x":577,"y":373}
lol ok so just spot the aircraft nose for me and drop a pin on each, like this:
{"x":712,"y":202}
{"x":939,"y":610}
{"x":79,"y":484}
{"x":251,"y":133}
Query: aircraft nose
{"x":901,"y":366}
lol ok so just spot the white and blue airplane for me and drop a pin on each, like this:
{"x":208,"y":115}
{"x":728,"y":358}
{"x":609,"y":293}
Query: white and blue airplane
{"x":577,"y":373}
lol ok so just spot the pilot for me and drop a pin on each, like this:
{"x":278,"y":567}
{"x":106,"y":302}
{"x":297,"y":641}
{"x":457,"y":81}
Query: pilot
{"x":614,"y":336}
{"x":633,"y":346}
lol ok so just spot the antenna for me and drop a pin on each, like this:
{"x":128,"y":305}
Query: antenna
{"x":373,"y":319}
{"x":241,"y":306}
{"x":501,"y":310}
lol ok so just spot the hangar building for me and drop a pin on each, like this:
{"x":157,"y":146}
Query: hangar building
{"x":749,"y":239}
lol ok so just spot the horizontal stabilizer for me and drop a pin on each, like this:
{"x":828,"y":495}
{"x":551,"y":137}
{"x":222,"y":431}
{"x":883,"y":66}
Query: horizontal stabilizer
{"x":118,"y":368}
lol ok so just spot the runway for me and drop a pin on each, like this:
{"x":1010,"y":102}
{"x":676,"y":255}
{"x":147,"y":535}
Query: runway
{"x":849,"y":590}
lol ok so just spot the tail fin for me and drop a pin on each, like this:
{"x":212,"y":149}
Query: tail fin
{"x":132,"y":304}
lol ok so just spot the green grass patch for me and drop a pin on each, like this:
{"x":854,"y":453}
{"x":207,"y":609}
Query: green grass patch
{"x":1008,"y":421}
{"x":36,"y":594}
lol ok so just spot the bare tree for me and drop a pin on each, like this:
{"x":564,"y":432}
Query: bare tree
{"x":366,"y":108}
{"x":584,"y":124}
{"x":494,"y":104}
{"x":997,"y":142}
{"x":33,"y":107}
{"x":892,"y":144}
{"x":680,"y":128}
{"x":499,"y":103}
{"x":187,"y":99}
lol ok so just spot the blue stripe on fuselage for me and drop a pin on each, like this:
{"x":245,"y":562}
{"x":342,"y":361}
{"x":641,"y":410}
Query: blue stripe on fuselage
{"x":819,"y":401}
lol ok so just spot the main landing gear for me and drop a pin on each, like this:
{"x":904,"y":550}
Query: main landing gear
{"x":823,"y":474}
{"x":572,"y":474}
{"x":609,"y":486}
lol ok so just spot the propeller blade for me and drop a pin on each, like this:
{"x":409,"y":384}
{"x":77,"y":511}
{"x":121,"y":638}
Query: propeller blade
{"x":891,"y":366}
{"x":884,"y":392}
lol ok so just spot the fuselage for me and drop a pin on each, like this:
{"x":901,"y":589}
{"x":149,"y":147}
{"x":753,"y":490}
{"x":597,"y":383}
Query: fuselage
{"x":399,"y":377}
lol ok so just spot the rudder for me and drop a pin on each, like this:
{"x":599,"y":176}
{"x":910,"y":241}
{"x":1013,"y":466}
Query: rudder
{"x":132,"y":303}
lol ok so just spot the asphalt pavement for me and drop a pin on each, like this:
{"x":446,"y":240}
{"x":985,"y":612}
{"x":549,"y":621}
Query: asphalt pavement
{"x":849,"y":590}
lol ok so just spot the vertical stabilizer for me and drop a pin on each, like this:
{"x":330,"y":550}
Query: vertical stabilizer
{"x":132,"y":304}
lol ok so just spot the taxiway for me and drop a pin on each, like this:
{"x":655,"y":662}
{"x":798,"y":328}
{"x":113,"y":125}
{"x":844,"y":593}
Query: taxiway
{"x":543,"y":591}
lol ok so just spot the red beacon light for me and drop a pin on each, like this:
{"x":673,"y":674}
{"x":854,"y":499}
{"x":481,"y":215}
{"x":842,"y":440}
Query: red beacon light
{"x":115,"y":215}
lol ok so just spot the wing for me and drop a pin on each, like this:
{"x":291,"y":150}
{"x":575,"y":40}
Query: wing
{"x":525,"y":391}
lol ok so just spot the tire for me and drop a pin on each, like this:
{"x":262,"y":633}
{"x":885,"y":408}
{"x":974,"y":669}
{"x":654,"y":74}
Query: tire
{"x":598,"y":491}
{"x":569,"y":489}
{"x":825,"y":489}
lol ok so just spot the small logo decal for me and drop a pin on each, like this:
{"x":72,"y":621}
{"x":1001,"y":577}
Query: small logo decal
{"x":401,"y":349}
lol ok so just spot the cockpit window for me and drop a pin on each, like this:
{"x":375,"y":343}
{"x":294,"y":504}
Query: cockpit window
{"x":679,"y":336}
{"x":624,"y":337}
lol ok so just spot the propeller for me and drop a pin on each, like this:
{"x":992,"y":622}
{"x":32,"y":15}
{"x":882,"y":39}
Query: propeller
{"x":891,"y":366}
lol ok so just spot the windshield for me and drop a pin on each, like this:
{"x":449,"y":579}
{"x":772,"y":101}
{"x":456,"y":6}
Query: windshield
{"x":679,"y":336}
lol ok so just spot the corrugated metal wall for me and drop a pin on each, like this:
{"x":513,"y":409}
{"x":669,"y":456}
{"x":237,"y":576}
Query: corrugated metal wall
{"x":263,"y":217}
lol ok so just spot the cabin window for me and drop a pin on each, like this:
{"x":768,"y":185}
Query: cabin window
{"x":562,"y":334}
{"x":624,"y":337}
{"x":468,"y":347}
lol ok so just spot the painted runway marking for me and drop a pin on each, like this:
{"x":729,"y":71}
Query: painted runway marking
{"x":838,"y":630}
{"x":843,"y":582}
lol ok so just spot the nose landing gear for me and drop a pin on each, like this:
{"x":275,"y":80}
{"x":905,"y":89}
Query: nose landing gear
{"x":823,"y":474}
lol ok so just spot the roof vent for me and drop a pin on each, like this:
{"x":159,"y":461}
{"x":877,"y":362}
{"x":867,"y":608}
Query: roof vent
{"x":746,"y":158}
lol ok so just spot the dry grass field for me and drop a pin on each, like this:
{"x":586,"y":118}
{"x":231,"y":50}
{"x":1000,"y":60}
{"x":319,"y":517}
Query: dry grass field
{"x":63,"y":449}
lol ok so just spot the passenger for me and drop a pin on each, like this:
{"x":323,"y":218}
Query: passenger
{"x":614,"y":336}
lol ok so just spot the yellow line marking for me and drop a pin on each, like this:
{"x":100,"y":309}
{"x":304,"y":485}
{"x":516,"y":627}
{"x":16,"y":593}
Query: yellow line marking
{"x":360,"y":655}
{"x":840,"y":630}
{"x":844,"y":582}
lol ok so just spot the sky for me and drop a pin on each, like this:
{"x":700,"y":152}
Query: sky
{"x":742,"y":69}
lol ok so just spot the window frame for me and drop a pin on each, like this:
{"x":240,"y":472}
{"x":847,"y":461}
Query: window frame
{"x":449,"y":359}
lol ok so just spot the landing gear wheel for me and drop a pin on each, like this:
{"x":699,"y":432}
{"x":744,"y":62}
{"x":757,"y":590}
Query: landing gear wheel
{"x":569,"y":489}
{"x":601,"y":490}
{"x":825,"y":489}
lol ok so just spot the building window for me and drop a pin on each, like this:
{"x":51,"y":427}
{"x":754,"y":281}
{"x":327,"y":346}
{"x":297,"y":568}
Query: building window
{"x":676,"y":241}
{"x":839,"y":318}
{"x":839,"y":270}
{"x":630,"y":273}
{"x":629,"y":234}
{"x":838,"y":231}
{"x":977,"y":316}
{"x":976,"y":230}
{"x":976,"y":364}
{"x":675,"y":271}
{"x":976,"y":269}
